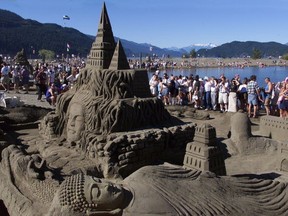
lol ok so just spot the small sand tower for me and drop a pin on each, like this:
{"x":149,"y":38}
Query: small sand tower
{"x":203,"y":154}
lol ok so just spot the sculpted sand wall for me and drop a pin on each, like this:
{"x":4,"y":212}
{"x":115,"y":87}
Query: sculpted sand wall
{"x":274,"y":127}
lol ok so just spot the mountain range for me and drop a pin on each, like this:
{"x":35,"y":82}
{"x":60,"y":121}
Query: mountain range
{"x":18,"y":33}
{"x":244,"y":49}
{"x":196,"y":47}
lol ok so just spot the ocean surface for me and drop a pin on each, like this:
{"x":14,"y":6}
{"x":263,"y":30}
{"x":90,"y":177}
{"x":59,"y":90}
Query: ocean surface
{"x":275,"y":73}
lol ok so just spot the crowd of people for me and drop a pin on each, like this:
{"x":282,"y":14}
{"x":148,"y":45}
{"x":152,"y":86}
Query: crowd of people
{"x":222,"y":94}
{"x":209,"y":93}
{"x":49,"y":79}
{"x":165,"y":62}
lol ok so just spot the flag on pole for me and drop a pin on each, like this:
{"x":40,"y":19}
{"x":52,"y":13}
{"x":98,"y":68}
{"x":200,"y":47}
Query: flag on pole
{"x":68,"y":47}
{"x":66,"y":17}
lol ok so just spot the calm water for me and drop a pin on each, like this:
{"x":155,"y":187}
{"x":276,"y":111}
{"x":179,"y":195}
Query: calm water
{"x":275,"y":73}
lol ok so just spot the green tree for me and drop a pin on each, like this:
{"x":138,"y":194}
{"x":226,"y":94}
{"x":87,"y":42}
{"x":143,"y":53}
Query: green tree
{"x":193,"y":53}
{"x":256,"y":54}
{"x":46,"y":54}
{"x":285,"y":56}
{"x":184,"y":56}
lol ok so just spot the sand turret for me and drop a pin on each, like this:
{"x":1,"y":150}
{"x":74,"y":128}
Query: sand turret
{"x":103,"y":47}
{"x":119,"y":60}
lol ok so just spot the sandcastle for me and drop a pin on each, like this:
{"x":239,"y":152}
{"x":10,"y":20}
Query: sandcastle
{"x":108,"y":125}
{"x":110,"y":115}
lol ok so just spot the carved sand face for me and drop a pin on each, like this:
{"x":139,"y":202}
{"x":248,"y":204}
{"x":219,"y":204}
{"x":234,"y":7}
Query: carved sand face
{"x":75,"y":124}
{"x":105,"y":194}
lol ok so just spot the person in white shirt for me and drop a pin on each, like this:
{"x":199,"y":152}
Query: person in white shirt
{"x":223,"y":94}
{"x":207,"y":90}
{"x":5,"y":80}
{"x":154,"y":85}
{"x":243,"y":95}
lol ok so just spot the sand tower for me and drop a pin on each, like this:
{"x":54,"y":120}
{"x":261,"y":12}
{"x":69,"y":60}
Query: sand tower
{"x":104,"y":44}
{"x":203,"y":154}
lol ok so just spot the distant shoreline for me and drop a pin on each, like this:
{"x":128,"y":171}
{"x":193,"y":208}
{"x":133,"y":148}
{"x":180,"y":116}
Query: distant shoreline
{"x":192,"y":63}
{"x":227,"y":62}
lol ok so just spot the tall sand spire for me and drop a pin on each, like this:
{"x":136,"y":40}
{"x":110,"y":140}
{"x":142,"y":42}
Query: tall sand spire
{"x":103,"y":47}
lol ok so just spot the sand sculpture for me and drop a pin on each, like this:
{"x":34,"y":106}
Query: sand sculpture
{"x":204,"y":154}
{"x":242,"y":140}
{"x":162,"y":189}
{"x":157,"y":188}
{"x":21,"y":59}
{"x":110,"y":116}
{"x":110,"y":148}
{"x":274,"y":127}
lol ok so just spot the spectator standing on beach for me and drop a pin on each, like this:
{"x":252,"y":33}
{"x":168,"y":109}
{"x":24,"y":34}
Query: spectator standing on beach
{"x":63,"y":78}
{"x":41,"y":79}
{"x":197,"y":94}
{"x":164,"y":89}
{"x":172,"y":90}
{"x":253,"y":96}
{"x":214,"y":92}
{"x":275,"y":95}
{"x":5,"y":79}
{"x":283,"y":99}
{"x":154,"y":85}
{"x":232,"y":98}
{"x":160,"y":88}
{"x":237,"y":83}
{"x":237,"y":80}
{"x":16,"y":74}
{"x":50,"y":76}
{"x":202,"y":101}
{"x":73,"y":77}
{"x":182,"y":98}
{"x":243,"y":95}
{"x":268,"y":95}
{"x":190,"y":88}
{"x":25,"y":79}
{"x":223,"y":94}
{"x":207,"y":92}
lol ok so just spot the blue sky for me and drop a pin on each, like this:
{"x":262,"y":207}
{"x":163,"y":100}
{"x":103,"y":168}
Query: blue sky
{"x":167,"y":23}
